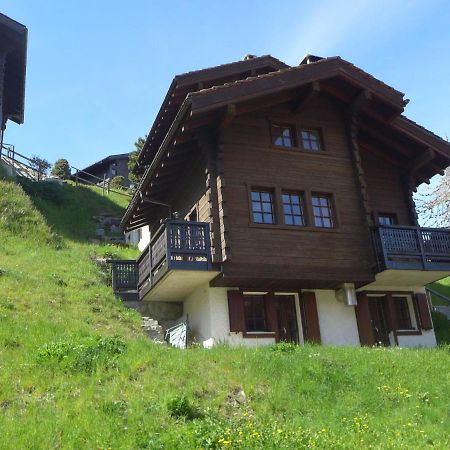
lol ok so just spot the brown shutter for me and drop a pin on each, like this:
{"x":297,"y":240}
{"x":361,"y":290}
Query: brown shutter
{"x":310,"y":318}
{"x":363,"y":320}
{"x":391,"y":318}
{"x":236,"y":311}
{"x":271,"y":313}
{"x":424,"y":311}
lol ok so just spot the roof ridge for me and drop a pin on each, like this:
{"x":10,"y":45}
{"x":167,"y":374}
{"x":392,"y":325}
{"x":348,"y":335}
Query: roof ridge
{"x":190,"y":72}
{"x":264,"y":75}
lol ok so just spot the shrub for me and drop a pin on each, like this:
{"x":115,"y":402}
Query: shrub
{"x":284,"y":347}
{"x":61,"y":169}
{"x":117,"y":181}
{"x":181,"y":407}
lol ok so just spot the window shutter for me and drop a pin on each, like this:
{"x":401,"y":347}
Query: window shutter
{"x":391,"y":318}
{"x":424,"y":311}
{"x":236,"y":311}
{"x":363,"y":320}
{"x":271,"y":314}
{"x":311,"y":329}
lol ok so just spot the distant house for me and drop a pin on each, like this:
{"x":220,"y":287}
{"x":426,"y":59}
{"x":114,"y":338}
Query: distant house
{"x":276,"y":205}
{"x":13,"y":55}
{"x":107,"y":168}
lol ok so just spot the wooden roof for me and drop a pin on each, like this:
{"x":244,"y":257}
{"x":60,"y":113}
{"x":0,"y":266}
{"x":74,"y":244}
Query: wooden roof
{"x":13,"y":41}
{"x":188,"y":82}
{"x":406,"y":143}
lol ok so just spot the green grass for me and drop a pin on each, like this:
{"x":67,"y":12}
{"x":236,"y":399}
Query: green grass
{"x":76,"y":371}
{"x":443,"y":287}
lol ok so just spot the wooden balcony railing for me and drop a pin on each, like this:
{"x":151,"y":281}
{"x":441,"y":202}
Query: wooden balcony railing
{"x":176,"y":245}
{"x":415,"y":248}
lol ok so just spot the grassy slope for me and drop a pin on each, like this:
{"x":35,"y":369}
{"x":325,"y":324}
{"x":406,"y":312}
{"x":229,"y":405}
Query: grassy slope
{"x":85,"y":393}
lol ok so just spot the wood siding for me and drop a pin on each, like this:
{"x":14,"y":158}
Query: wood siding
{"x":280,"y":256}
{"x":387,"y":193}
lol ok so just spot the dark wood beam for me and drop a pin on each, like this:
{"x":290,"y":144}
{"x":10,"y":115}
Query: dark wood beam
{"x":374,"y":149}
{"x":358,"y":102}
{"x":228,"y":116}
{"x":313,"y":89}
{"x":419,"y":161}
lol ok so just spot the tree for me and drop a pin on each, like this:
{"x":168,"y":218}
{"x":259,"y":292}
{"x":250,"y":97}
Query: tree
{"x":433,"y":202}
{"x":40,"y":165}
{"x":61,"y":169}
{"x":117,"y":181}
{"x":132,"y":162}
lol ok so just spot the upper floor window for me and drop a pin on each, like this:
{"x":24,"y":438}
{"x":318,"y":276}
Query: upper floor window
{"x":292,"y":208}
{"x":322,"y":211}
{"x":262,"y":207}
{"x":310,"y":139}
{"x":387,"y":219}
{"x":283,"y":135}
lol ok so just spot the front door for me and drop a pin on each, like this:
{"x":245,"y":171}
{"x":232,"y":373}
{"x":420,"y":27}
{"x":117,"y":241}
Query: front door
{"x":378,"y":316}
{"x":286,"y":318}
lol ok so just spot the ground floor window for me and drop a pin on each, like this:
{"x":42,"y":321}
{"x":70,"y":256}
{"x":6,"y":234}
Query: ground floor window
{"x":403,"y":313}
{"x":255,"y":313}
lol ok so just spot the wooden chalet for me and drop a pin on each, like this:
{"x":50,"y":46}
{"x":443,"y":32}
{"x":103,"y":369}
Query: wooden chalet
{"x":276,"y":204}
{"x":13,"y":54}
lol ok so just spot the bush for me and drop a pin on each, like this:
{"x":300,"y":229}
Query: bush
{"x":181,"y":407}
{"x":61,"y":169}
{"x":117,"y":181}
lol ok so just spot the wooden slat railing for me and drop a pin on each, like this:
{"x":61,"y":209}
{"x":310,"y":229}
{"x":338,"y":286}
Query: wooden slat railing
{"x":175,"y":245}
{"x":404,"y":247}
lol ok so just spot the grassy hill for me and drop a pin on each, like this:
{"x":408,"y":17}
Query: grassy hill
{"x":76,"y":371}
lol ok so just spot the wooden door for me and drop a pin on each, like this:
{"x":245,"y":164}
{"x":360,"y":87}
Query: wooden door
{"x":378,"y":317}
{"x":286,"y":318}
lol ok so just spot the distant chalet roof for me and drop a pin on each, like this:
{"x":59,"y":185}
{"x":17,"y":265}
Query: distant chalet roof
{"x":214,"y":96}
{"x":13,"y":40}
{"x":106,"y":160}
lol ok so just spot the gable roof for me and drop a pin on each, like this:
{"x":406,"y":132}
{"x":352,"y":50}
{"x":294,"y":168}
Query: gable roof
{"x":105,"y":160}
{"x":334,"y":75}
{"x":188,"y":82}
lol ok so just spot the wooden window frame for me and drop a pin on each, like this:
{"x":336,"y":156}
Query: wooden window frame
{"x":302,"y":202}
{"x":274,"y":203}
{"x":317,"y":130}
{"x":308,"y":216}
{"x":379,"y":214}
{"x":293,"y":130}
{"x":332,"y":208}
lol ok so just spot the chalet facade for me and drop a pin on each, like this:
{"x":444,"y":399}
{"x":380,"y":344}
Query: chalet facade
{"x":106,"y":169}
{"x":276,"y":204}
{"x":13,"y":51}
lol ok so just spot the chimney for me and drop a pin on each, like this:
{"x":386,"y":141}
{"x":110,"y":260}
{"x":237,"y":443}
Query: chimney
{"x":308,"y":59}
{"x":248,"y":57}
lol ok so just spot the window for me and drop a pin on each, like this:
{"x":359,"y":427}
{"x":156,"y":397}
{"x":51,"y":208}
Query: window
{"x":292,"y":208}
{"x":310,"y":139}
{"x":262,"y":207}
{"x":323,"y":213}
{"x":255,"y":313}
{"x":283,"y":136}
{"x":403,"y":315}
{"x":387,"y":219}
{"x":113,"y":172}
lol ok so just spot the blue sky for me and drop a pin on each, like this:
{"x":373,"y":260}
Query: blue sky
{"x":98,"y":70}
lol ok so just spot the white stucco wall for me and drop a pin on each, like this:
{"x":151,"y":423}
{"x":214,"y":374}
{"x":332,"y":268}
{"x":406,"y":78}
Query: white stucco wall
{"x":426,"y":339}
{"x":145,"y":238}
{"x":337,"y":322}
{"x":198,"y":309}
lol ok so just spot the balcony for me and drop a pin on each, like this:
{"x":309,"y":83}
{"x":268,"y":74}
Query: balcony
{"x":175,"y":262}
{"x":425,"y":252}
